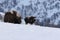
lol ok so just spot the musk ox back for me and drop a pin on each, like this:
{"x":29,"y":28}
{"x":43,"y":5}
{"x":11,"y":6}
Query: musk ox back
{"x":30,"y":20}
{"x":12,"y":17}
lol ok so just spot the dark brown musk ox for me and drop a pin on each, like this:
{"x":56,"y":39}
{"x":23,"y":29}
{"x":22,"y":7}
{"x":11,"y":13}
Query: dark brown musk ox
{"x":12,"y":17}
{"x":30,"y":20}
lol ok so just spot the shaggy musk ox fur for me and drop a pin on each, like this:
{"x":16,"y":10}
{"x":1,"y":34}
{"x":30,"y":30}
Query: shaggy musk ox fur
{"x":30,"y":20}
{"x":17,"y":18}
{"x":12,"y":17}
{"x":9,"y":17}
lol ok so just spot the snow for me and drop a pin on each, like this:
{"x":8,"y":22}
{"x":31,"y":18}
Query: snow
{"x":22,"y":31}
{"x":1,"y":16}
{"x":10,"y":31}
{"x":42,"y":8}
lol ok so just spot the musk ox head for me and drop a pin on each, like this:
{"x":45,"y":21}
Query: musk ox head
{"x":12,"y":17}
{"x":30,"y":20}
{"x":26,"y":20}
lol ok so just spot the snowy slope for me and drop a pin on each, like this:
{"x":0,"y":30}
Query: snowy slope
{"x":27,"y":32}
{"x":42,"y":9}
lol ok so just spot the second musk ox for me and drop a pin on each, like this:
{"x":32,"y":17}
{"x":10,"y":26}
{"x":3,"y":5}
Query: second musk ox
{"x":29,"y":20}
{"x":12,"y":17}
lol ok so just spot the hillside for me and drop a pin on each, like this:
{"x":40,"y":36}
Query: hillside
{"x":27,"y":32}
{"x":47,"y":12}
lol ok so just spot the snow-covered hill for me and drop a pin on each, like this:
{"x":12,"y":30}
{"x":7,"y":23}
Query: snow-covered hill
{"x":47,"y":12}
{"x":10,"y":31}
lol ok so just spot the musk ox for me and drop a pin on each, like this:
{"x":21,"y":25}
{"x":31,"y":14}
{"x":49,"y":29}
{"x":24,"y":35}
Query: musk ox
{"x":29,"y":20}
{"x":12,"y":17}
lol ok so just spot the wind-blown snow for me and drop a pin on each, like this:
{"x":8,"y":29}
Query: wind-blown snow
{"x":10,"y":31}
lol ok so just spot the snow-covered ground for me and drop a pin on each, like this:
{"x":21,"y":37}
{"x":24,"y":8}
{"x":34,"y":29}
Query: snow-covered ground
{"x":10,"y":31}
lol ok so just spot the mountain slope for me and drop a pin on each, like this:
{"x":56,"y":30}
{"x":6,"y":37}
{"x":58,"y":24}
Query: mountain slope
{"x":46,"y":11}
{"x":27,"y":32}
